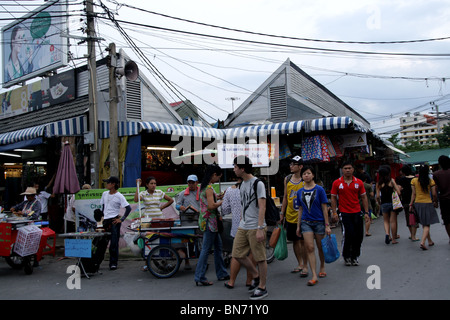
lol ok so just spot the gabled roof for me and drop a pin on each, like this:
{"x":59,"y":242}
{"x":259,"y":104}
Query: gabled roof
{"x":304,"y":98}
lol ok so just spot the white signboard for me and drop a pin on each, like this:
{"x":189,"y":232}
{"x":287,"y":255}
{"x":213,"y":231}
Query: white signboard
{"x":257,"y":153}
{"x":354,"y":140}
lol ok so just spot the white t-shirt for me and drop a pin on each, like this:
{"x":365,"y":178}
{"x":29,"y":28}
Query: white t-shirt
{"x":249,"y":201}
{"x":113,"y":203}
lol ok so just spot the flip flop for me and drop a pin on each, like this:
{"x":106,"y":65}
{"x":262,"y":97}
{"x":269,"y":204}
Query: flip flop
{"x":312,"y":283}
{"x":303,"y":274}
{"x":297,"y":270}
{"x":322,"y":274}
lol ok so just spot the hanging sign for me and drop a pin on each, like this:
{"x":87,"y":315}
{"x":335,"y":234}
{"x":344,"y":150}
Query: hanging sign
{"x":257,"y":153}
{"x":354,"y":140}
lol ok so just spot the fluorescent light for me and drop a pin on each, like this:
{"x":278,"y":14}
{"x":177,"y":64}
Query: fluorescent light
{"x":40,"y":162}
{"x":10,"y":155}
{"x":162,"y":148}
{"x":24,"y":150}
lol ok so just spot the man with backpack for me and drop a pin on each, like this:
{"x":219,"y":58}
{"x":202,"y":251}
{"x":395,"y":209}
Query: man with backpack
{"x":251,"y":234}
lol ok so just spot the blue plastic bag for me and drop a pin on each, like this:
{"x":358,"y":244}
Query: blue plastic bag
{"x":330,"y":248}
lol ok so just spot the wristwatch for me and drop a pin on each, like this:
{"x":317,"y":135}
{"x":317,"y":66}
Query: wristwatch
{"x":260,"y":227}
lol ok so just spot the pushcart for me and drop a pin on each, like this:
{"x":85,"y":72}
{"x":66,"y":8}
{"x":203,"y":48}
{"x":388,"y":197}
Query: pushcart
{"x":160,"y":247}
{"x":18,"y":250}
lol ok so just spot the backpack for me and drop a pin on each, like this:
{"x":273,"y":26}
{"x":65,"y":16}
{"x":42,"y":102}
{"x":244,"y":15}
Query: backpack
{"x":272,"y":215}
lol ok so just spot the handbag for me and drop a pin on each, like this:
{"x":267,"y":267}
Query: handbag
{"x":396,"y":203}
{"x":281,"y":251}
{"x":330,"y":248}
{"x":275,"y":236}
{"x":412,"y":217}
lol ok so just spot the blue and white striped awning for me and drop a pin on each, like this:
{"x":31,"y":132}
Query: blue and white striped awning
{"x":21,"y":135}
{"x":332,"y":123}
{"x":69,"y":127}
{"x":323,"y":124}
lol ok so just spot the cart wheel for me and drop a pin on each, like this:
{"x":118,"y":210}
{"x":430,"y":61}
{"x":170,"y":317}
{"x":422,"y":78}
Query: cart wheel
{"x":163,"y":261}
{"x":15,"y":261}
{"x":270,"y":256}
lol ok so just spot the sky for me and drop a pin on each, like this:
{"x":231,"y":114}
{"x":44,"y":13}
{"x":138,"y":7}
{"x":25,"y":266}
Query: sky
{"x":209,"y":71}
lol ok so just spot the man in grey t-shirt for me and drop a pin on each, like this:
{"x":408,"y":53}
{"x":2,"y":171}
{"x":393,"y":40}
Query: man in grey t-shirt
{"x":251,"y":234}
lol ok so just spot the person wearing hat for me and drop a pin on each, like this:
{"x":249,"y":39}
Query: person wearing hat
{"x":289,"y":211}
{"x":112,"y":201}
{"x":30,"y":208}
{"x":188,"y":202}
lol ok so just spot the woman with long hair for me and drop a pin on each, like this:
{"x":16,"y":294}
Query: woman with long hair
{"x":404,"y":182}
{"x":425,"y":205}
{"x":384,"y":189}
{"x":208,"y":222}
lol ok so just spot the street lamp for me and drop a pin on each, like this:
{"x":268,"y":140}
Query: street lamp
{"x":232,"y":101}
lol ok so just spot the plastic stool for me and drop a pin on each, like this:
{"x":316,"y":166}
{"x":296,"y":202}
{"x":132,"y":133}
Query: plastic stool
{"x":45,"y":247}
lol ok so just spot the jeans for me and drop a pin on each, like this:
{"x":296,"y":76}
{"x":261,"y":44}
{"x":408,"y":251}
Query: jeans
{"x":114,"y":241}
{"x":210,"y":238}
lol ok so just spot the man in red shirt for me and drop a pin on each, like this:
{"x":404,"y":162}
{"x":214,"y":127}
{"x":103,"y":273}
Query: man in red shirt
{"x":346,"y":190}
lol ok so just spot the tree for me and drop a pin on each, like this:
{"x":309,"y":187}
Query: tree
{"x":444,"y":137}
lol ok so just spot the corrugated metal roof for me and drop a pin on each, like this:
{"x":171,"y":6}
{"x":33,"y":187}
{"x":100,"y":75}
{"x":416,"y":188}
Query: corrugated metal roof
{"x":430,"y":156}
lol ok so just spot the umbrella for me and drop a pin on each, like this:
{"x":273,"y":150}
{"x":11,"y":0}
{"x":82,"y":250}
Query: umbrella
{"x":66,"y":181}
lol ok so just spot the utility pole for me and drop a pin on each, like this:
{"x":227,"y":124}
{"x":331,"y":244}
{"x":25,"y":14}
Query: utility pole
{"x":232,"y":101}
{"x":113,"y":136}
{"x":93,"y":115}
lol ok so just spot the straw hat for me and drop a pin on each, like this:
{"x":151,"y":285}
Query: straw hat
{"x":29,"y":191}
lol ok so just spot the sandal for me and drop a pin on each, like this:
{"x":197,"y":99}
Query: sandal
{"x":303,"y":274}
{"x":227,"y":285}
{"x":312,"y":283}
{"x":322,"y":274}
{"x":204,"y":283}
{"x":297,"y":270}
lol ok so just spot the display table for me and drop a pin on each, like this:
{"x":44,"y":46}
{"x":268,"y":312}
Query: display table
{"x":88,"y":247}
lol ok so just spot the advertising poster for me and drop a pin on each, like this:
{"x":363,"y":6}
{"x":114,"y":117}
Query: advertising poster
{"x":33,"y":44}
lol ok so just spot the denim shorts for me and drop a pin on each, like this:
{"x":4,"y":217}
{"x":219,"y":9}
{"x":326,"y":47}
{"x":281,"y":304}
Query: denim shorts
{"x":317,"y":227}
{"x":386,"y":208}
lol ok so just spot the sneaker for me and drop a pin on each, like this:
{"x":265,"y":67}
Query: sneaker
{"x":355,"y":262}
{"x":113,"y":267}
{"x":254,"y":285}
{"x":259,"y":294}
{"x":347,"y":261}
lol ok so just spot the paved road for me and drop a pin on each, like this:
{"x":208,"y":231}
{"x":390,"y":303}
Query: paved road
{"x":406,"y":273}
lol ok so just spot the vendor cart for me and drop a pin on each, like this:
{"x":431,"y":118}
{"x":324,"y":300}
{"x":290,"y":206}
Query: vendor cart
{"x":20,"y":243}
{"x":160,"y":247}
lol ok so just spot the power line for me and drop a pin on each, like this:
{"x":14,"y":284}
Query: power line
{"x":279,"y":36}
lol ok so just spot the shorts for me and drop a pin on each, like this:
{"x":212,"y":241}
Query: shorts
{"x":317,"y":227}
{"x":291,"y":231}
{"x":386,"y":208}
{"x":245,"y":241}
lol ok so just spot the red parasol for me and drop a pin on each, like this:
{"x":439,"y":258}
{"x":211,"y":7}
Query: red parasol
{"x":66,"y":181}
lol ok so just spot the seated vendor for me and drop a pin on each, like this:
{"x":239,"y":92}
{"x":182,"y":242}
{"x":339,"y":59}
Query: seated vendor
{"x":30,"y":208}
{"x":188,"y":202}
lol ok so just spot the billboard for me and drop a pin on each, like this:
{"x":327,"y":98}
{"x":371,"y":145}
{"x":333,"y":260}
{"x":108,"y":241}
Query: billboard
{"x":49,"y":91}
{"x":33,"y":45}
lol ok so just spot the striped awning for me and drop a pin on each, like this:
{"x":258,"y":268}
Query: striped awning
{"x":308,"y":126}
{"x":69,"y":127}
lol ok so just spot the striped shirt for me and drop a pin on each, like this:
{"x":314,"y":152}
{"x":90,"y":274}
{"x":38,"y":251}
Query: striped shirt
{"x":152,"y":202}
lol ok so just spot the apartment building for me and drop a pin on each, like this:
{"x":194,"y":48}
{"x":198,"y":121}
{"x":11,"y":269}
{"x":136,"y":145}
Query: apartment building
{"x":421,"y":127}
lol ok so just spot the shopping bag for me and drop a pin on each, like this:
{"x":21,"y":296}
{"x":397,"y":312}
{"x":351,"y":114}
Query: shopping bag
{"x":412,"y":217}
{"x":330,"y":248}
{"x":281,"y":251}
{"x":396,"y":203}
{"x":275,"y":236}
